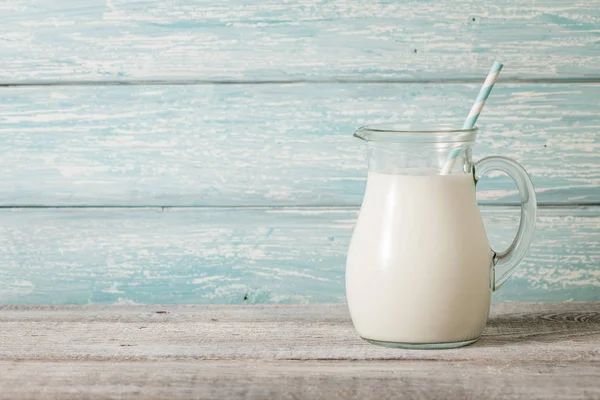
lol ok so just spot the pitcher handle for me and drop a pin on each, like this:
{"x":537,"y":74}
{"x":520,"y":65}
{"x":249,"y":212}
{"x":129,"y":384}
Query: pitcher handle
{"x":507,"y":261}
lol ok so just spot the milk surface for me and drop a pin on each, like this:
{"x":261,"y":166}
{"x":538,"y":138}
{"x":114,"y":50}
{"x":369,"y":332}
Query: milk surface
{"x":419,"y":264}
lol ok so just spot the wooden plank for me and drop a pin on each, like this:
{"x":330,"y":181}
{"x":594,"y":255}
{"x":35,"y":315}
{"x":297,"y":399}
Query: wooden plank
{"x":265,"y":145}
{"x":247,"y":255}
{"x":241,"y":39}
{"x":515,"y":332}
{"x":534,"y":350}
{"x":298,"y":380}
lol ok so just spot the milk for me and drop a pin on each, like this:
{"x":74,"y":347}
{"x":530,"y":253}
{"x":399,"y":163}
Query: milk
{"x":419,"y":264}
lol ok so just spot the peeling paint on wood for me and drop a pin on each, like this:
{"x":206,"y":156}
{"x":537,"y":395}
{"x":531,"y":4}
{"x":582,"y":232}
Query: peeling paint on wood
{"x":239,"y":145}
{"x":270,"y":39}
{"x":248,"y":255}
{"x":261,"y":145}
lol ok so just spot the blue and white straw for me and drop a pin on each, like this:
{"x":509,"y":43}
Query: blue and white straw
{"x":469,"y":123}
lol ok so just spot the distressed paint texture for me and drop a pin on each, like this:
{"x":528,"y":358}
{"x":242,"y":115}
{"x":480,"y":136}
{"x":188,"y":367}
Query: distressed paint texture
{"x":265,"y":145}
{"x":248,"y":255}
{"x":245,"y":39}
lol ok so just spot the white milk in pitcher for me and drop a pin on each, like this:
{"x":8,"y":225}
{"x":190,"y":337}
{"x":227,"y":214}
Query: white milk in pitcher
{"x":419,"y":264}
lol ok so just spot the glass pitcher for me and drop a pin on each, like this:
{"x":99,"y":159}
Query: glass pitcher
{"x":420,"y":271}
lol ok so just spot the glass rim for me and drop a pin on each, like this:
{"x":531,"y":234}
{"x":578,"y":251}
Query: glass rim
{"x":416,"y":133}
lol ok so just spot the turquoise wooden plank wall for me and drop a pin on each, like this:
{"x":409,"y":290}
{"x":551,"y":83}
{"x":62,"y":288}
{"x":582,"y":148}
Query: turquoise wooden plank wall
{"x":201,"y":151}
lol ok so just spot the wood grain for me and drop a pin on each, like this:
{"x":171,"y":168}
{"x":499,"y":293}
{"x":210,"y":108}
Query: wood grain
{"x":313,"y":39}
{"x":515,"y":332}
{"x":268,"y":145}
{"x":298,"y":380}
{"x":244,"y":255}
{"x":534,"y":350}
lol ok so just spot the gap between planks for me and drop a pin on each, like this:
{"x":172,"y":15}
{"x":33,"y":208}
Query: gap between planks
{"x":193,"y":82}
{"x":544,"y":205}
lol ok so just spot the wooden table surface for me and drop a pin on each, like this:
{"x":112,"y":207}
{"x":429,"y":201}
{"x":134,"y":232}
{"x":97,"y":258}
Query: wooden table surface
{"x":529,"y":350}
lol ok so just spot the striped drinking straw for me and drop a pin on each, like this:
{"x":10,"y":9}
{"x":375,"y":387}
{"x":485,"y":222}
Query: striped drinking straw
{"x":469,"y":123}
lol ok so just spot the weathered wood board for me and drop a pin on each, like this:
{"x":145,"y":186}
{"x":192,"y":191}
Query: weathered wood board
{"x":294,"y":380}
{"x":245,"y":255}
{"x":306,"y":39}
{"x":266,"y":145}
{"x":538,"y":351}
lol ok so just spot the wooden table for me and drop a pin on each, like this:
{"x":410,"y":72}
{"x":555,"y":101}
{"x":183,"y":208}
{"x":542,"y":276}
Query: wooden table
{"x":533,"y":350}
